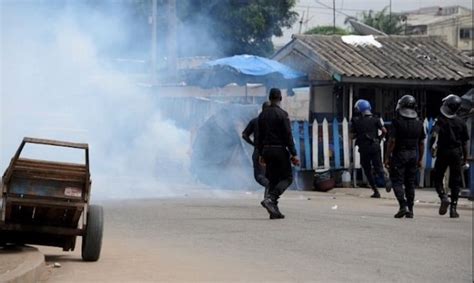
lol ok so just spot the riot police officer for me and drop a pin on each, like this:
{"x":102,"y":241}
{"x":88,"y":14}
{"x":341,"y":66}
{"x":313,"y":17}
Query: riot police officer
{"x":404,"y":153}
{"x":277,"y":149}
{"x":449,"y":144}
{"x":365,"y":129}
{"x":258,"y":169}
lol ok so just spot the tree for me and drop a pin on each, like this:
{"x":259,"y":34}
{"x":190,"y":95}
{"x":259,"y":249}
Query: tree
{"x":207,"y":27}
{"x":235,"y":26}
{"x":383,"y":21}
{"x":327,"y":30}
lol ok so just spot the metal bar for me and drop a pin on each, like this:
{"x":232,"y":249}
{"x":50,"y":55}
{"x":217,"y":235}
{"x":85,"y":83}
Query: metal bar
{"x":50,"y":164}
{"x":42,"y":229}
{"x":42,"y":202}
{"x":8,"y":173}
{"x":56,"y":143}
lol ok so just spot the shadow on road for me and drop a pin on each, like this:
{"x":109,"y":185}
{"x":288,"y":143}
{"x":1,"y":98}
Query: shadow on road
{"x":62,"y":258}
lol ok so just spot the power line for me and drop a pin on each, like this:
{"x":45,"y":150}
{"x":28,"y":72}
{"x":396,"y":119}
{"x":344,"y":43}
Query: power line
{"x":329,"y":7}
{"x":325,"y":8}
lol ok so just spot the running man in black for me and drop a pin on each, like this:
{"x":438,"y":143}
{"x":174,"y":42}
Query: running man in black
{"x":277,"y":150}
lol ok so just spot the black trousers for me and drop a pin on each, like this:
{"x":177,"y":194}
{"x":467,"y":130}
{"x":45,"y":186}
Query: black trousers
{"x":278,"y":171}
{"x":403,"y":169}
{"x":370,"y":157}
{"x":451,"y":158}
{"x":258,"y":170}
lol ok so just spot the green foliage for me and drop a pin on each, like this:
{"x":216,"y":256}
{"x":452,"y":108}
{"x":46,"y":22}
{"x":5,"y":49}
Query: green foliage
{"x":207,"y":27}
{"x":239,"y":26}
{"x":383,"y":21}
{"x":327,"y":30}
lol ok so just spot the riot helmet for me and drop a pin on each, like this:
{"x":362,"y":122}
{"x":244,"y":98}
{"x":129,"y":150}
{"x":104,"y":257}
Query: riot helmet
{"x":406,"y":106}
{"x":450,"y":106}
{"x":363,"y":107}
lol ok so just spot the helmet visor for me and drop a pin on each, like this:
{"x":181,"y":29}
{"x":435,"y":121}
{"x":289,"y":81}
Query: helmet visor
{"x":407,"y":113}
{"x":448,"y":113}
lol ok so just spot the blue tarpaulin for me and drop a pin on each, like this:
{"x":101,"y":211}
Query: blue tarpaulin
{"x":243,"y":69}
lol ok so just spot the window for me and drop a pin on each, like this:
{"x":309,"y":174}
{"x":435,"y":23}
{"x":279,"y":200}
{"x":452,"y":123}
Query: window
{"x":466,"y":33}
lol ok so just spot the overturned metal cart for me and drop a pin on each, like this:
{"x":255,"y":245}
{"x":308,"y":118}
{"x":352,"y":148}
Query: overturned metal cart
{"x":47,"y":203}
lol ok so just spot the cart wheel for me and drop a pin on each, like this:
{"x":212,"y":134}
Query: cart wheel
{"x":92,"y":239}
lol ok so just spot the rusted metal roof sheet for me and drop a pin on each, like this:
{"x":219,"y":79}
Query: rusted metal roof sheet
{"x":400,"y":57}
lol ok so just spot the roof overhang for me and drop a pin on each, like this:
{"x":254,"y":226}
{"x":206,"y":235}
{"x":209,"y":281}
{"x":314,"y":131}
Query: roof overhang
{"x":365,"y":80}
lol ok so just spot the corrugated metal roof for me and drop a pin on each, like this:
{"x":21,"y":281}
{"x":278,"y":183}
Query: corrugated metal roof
{"x":400,"y":57}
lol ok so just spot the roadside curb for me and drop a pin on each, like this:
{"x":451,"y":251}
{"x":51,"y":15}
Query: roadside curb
{"x":29,"y":270}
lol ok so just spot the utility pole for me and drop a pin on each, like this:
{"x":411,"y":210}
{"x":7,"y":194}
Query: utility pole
{"x":390,"y":11}
{"x":172,"y":59}
{"x":154,"y":47}
{"x":334,"y":16}
{"x":301,"y":24}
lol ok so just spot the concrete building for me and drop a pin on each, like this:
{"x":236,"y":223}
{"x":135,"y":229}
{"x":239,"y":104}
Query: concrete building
{"x":454,"y":24}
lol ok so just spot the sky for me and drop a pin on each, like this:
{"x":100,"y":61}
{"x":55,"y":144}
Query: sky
{"x":321,"y":15}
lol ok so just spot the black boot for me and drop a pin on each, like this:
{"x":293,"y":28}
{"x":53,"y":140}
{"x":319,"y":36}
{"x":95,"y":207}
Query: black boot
{"x":401,"y":212}
{"x":279,"y":215}
{"x":410,"y":212}
{"x":271,"y":207}
{"x":443,"y":208}
{"x":452,"y":211}
{"x":388,"y":185}
{"x":376,"y":193}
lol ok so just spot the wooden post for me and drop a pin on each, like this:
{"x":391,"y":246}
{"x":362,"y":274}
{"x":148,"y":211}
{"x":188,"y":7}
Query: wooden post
{"x":307,"y":146}
{"x":326,"y":144}
{"x":296,"y":138}
{"x":335,"y":139}
{"x":351,"y":98}
{"x":315,"y":144}
{"x":345,"y":143}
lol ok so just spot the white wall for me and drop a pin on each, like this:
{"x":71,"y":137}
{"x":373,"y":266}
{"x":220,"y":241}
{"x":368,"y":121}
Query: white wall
{"x":297,"y":105}
{"x":449,"y":31}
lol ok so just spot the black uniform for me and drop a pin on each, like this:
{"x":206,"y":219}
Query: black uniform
{"x":258,"y":170}
{"x":275,"y":143}
{"x":452,"y":136}
{"x":408,"y":133}
{"x":365,"y":129}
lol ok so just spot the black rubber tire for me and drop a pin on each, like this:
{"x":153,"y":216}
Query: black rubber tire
{"x":92,"y":239}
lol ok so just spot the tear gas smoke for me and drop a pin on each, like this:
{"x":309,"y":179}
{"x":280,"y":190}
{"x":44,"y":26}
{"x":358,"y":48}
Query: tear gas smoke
{"x":55,"y":84}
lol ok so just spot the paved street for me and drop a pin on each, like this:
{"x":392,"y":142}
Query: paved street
{"x":231,"y":239}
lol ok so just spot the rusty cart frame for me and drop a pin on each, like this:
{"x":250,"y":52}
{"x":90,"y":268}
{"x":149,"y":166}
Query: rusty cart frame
{"x":47,"y":202}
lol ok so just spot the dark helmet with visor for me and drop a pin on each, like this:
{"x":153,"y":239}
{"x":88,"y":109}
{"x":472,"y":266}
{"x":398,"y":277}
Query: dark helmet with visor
{"x":406,"y":107}
{"x":450,"y":106}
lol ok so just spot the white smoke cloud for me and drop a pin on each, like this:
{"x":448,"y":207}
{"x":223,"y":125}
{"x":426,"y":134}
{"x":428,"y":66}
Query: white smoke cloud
{"x":55,"y":85}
